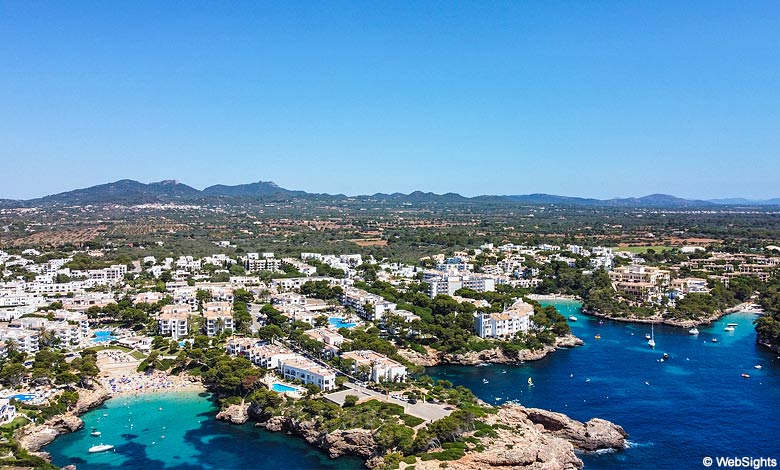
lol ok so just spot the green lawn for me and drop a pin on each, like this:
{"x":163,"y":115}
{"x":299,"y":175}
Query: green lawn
{"x":643,"y":249}
{"x":138,"y":355}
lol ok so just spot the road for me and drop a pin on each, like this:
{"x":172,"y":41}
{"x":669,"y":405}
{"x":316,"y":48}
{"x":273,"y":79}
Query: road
{"x":427,"y":411}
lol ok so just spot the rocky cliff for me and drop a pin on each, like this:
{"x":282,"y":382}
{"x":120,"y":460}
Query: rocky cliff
{"x":527,"y":439}
{"x":236,"y":414}
{"x":534,"y":439}
{"x":490,"y":356}
{"x":34,"y":436}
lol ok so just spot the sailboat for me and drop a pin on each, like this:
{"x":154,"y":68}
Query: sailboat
{"x":651,"y":341}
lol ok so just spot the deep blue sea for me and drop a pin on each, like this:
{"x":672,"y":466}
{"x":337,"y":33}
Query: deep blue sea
{"x":676,"y":412}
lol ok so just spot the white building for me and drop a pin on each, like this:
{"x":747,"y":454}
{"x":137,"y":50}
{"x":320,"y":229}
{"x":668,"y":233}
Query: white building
{"x":448,"y":284}
{"x":506,"y":324}
{"x":218,"y":316}
{"x":383,"y":369}
{"x":308,"y":372}
{"x":174,"y":321}
{"x":369,"y":306}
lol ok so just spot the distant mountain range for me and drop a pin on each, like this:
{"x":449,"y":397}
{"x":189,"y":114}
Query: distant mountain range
{"x":130,"y":192}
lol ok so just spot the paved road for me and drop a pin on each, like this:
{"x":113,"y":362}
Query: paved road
{"x":426,"y":411}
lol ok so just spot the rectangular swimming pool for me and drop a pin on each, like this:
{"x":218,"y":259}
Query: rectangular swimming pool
{"x":281,"y":388}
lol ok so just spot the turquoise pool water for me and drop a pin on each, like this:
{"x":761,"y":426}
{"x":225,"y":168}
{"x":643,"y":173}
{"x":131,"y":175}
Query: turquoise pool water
{"x":340,"y":323}
{"x":103,"y":336}
{"x":24,"y":396}
{"x":281,"y":388}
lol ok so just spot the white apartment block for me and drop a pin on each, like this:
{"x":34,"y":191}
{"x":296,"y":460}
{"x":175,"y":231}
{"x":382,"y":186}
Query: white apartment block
{"x":293,"y":283}
{"x":449,"y":284}
{"x":174,"y":323}
{"x":383,"y":369}
{"x":506,"y":324}
{"x":26,"y":341}
{"x":308,"y":372}
{"x":688,"y":285}
{"x":303,"y":268}
{"x":638,"y":280}
{"x":218,"y":316}
{"x":325,"y":335}
{"x":256,"y":263}
{"x":368,"y":306}
{"x":7,"y":411}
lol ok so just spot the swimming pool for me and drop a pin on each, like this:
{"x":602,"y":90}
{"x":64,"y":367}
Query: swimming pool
{"x":281,"y":388}
{"x":340,"y":323}
{"x":103,"y":336}
{"x":25,"y":396}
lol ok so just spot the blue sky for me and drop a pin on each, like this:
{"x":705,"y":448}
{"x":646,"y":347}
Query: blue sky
{"x":598,"y":99}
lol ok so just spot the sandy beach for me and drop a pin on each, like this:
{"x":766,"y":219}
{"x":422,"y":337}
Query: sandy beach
{"x":119,"y":376}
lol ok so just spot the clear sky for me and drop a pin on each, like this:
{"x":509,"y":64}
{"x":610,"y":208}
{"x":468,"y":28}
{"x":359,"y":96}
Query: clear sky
{"x":581,"y":98}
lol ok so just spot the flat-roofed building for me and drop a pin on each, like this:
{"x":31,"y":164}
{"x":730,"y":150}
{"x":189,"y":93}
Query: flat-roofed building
{"x":308,"y":372}
{"x":383,"y":369}
{"x":506,"y":324}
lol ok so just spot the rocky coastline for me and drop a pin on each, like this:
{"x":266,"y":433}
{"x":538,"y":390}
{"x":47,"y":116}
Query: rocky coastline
{"x":489,"y":356}
{"x":527,"y":438}
{"x":35,"y":436}
{"x":670,"y":322}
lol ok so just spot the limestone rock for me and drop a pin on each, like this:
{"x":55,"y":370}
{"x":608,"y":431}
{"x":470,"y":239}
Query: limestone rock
{"x":358,"y":442}
{"x":236,"y":414}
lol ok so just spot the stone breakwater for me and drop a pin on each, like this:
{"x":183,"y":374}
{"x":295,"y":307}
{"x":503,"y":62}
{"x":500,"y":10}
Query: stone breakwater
{"x":489,"y":356}
{"x":527,"y":438}
{"x":34,"y":436}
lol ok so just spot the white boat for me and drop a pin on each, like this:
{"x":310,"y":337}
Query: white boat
{"x":693,"y":331}
{"x":95,"y":433}
{"x":647,"y":335}
{"x":733,"y":324}
{"x":100,"y":448}
{"x":530,"y":382}
{"x":484,"y":381}
{"x":728,"y":328}
{"x":651,"y":341}
{"x":714,"y":340}
{"x":757,"y":366}
{"x":572,"y":318}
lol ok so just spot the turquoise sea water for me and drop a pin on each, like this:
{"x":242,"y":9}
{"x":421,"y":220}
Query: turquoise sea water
{"x":696,"y":404}
{"x":193,"y":439}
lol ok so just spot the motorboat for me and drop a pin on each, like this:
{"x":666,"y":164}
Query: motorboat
{"x":733,"y":324}
{"x":693,"y":331}
{"x":597,"y":336}
{"x":728,"y":328}
{"x":484,"y":381}
{"x":745,"y":376}
{"x":757,"y":366}
{"x":647,"y":335}
{"x":666,"y":356}
{"x":100,"y":448}
{"x":95,"y":433}
{"x":530,"y":382}
{"x":572,"y":318}
{"x":714,"y":340}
